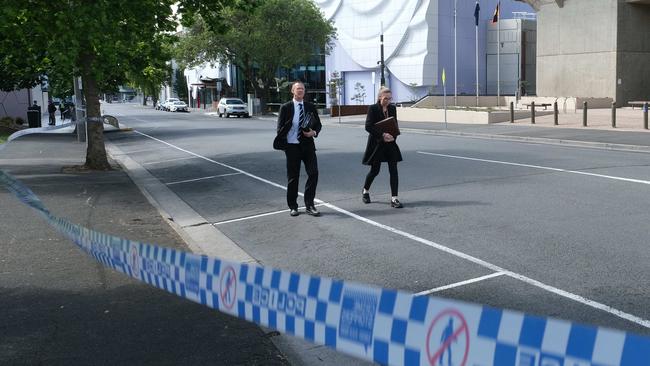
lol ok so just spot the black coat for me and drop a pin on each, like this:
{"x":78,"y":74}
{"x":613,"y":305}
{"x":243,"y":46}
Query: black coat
{"x":285,"y":119}
{"x":376,"y":149}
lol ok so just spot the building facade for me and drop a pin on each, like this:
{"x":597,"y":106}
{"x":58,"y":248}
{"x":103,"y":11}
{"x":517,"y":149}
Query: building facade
{"x":594,"y":48}
{"x":418,"y":44}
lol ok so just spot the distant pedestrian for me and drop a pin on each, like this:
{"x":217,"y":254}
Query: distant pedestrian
{"x":51,"y":109}
{"x":63,"y":111}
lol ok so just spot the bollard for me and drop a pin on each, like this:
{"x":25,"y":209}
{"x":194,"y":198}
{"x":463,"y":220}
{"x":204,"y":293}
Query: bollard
{"x":584,"y":114}
{"x":645,"y":115}
{"x":512,"y":112}
{"x":613,"y":114}
{"x":555,"y":113}
{"x":532,"y":112}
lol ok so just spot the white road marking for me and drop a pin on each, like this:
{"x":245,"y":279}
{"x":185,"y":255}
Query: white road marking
{"x":168,"y":160}
{"x":594,"y":304}
{"x":258,"y":216}
{"x":202,"y":178}
{"x":630,"y":180}
{"x":462,"y":283}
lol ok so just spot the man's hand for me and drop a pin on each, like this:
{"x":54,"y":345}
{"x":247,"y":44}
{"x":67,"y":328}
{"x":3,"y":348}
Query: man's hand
{"x":310,"y":133}
{"x":388,"y":137}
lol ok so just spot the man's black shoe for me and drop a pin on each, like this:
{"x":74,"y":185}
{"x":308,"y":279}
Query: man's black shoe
{"x":365,"y":197}
{"x":311,"y":210}
{"x":294,"y":212}
{"x":396,"y":203}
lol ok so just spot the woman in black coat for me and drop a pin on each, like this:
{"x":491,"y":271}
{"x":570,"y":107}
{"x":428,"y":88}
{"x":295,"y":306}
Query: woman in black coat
{"x":381,"y":147}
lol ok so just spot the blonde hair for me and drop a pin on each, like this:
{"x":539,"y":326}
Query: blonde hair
{"x":383,"y":90}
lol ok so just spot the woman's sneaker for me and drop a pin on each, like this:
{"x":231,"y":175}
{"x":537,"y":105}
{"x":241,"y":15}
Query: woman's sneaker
{"x":365,"y":197}
{"x":396,"y":203}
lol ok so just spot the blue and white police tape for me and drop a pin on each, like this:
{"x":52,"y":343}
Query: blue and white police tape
{"x":386,"y":326}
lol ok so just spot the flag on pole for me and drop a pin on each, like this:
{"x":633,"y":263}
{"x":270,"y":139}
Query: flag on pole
{"x":495,"y":18}
{"x":477,"y":10}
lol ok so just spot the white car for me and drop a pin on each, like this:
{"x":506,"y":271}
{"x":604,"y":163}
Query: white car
{"x":165,"y":106}
{"x":232,"y":107}
{"x":177,"y":106}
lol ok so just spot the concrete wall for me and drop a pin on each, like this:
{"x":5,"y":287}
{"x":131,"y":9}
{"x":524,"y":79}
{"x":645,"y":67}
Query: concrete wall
{"x":576,"y":49}
{"x":633,"y":59}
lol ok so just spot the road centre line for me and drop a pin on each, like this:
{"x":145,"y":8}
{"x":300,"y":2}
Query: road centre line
{"x":259,"y":215}
{"x":630,"y":180}
{"x":169,"y":160}
{"x":594,"y":304}
{"x":202,"y":178}
{"x":462,"y":283}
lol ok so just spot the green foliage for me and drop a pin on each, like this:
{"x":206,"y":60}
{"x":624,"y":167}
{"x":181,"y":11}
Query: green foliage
{"x":149,"y":68}
{"x":180,"y":85}
{"x":94,"y":39}
{"x":257,"y":36}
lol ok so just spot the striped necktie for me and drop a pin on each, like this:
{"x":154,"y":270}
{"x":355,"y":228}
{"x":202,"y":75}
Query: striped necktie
{"x":301,"y":116}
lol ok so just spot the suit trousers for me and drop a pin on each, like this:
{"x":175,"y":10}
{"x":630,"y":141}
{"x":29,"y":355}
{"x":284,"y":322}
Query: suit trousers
{"x":297,"y":153}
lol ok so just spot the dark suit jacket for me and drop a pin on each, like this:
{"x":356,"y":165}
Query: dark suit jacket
{"x":285,"y":119}
{"x":376,"y":149}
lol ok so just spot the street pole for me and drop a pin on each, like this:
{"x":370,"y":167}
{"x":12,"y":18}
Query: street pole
{"x":381,"y":60}
{"x":80,"y":115}
{"x":455,"y":55}
{"x":477,"y":19}
{"x":444,"y":93}
{"x":498,"y":53}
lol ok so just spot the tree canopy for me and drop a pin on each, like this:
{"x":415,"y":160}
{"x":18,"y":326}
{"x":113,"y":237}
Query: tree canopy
{"x":97,"y":40}
{"x":259,"y":39}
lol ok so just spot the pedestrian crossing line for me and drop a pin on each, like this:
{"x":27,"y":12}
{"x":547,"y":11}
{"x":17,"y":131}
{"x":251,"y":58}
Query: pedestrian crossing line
{"x":259,"y":215}
{"x":169,"y":160}
{"x":580,"y":299}
{"x":202,"y":178}
{"x":459,"y":284}
{"x":629,"y":180}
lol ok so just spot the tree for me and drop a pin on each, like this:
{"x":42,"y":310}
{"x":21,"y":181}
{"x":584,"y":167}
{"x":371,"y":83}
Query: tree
{"x":360,"y":93}
{"x":259,"y":39}
{"x":180,"y":85}
{"x":149,"y":70}
{"x":93,"y":39}
{"x":335,"y":84}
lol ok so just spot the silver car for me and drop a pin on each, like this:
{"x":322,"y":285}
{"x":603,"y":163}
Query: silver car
{"x":178,"y":106}
{"x":232,"y":107}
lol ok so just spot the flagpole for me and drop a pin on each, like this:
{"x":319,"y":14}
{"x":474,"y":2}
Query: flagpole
{"x":455,"y":57}
{"x":498,"y":53}
{"x":477,"y":18}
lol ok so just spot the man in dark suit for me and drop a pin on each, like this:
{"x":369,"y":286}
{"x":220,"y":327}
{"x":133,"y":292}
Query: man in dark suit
{"x":298,"y":121}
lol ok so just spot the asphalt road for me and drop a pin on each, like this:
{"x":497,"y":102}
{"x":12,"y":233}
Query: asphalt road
{"x":557,"y":231}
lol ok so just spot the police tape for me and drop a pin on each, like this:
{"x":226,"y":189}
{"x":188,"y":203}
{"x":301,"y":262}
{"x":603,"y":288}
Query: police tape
{"x":386,"y":326}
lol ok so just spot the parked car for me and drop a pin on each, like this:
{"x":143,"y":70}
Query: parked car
{"x":232,"y":107}
{"x":177,"y":106}
{"x":168,"y":103}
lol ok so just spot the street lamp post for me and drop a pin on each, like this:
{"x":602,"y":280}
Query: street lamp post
{"x":381,"y":61}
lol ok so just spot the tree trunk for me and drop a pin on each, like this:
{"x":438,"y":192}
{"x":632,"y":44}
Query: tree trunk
{"x":96,"y":152}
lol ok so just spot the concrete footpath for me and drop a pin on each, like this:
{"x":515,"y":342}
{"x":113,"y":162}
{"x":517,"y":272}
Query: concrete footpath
{"x":61,"y":307}
{"x":629,"y":133}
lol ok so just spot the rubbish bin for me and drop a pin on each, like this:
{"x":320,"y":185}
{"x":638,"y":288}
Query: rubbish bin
{"x":34,"y":117}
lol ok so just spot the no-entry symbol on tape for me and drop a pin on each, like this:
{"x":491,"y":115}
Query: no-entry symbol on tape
{"x":448,"y":339}
{"x":228,"y":291}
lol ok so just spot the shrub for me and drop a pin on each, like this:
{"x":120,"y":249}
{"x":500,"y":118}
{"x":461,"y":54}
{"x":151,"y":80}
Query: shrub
{"x":6,"y":121}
